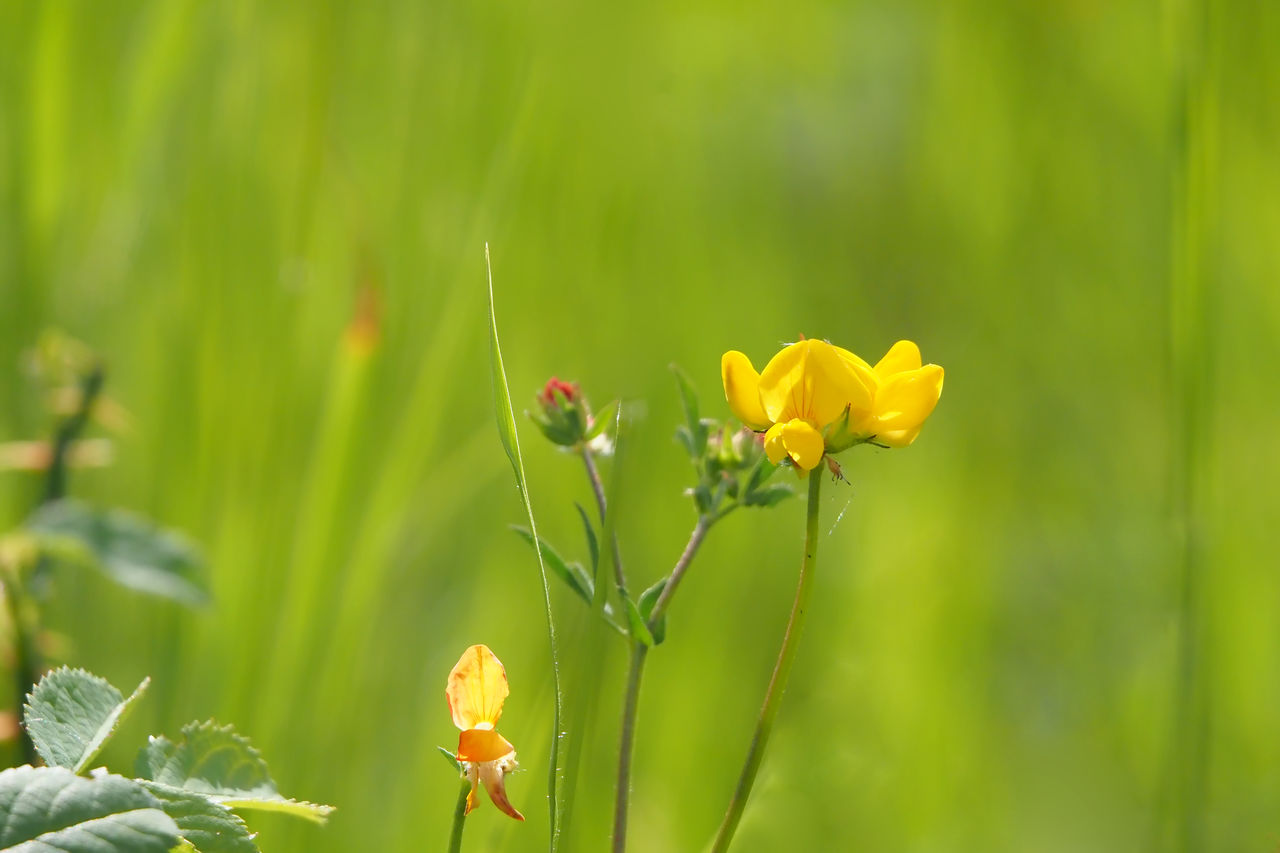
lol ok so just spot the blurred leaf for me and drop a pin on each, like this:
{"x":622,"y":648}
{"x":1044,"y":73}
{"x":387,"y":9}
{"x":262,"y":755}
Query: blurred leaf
{"x":216,"y":761}
{"x":70,"y":715}
{"x":768,"y":496}
{"x":648,"y":599}
{"x":593,"y":546}
{"x":571,"y":573}
{"x":130,"y":550}
{"x":696,"y":437}
{"x":50,"y":809}
{"x":639,"y":629}
{"x":760,"y":473}
{"x":207,"y":826}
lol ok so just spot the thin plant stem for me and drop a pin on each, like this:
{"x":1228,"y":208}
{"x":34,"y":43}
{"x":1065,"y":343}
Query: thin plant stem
{"x":459,"y":817}
{"x":778,"y":683}
{"x":597,"y":486}
{"x":26,"y":662}
{"x":631,"y":702}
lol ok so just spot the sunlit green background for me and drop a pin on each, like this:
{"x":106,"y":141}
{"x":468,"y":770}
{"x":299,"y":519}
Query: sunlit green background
{"x":1071,"y":205}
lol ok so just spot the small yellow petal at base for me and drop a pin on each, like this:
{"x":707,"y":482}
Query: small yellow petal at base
{"x":804,"y":444}
{"x":773,"y":446}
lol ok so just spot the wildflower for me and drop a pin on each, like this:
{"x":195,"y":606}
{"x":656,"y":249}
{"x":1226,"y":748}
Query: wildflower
{"x":477,"y":688}
{"x":813,"y":399}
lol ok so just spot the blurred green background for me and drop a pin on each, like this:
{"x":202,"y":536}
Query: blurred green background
{"x":1051,"y":624}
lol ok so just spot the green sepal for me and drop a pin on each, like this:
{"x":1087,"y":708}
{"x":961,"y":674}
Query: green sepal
{"x":451,"y":758}
{"x":607,"y":414}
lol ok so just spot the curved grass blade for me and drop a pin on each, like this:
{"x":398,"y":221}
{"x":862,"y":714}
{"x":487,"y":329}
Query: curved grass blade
{"x":511,"y":444}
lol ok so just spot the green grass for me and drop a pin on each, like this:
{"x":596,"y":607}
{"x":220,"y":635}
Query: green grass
{"x":199,"y":191}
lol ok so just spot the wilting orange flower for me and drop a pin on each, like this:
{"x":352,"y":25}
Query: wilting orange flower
{"x":477,"y":688}
{"x":813,"y":398}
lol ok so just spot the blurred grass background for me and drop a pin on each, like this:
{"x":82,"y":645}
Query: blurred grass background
{"x":1049,"y":625}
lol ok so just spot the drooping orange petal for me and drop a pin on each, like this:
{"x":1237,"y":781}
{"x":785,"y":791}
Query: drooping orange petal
{"x":742,"y":389}
{"x":491,"y":774}
{"x":901,"y":357}
{"x":482,"y":745}
{"x":477,"y":688}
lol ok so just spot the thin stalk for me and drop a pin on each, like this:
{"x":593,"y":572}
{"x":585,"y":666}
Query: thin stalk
{"x":781,"y":670}
{"x":26,"y":665}
{"x":631,"y":703}
{"x":459,"y":817}
{"x":597,"y":486}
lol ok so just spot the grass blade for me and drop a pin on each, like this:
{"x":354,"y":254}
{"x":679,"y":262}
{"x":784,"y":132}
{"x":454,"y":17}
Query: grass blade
{"x":511,"y":444}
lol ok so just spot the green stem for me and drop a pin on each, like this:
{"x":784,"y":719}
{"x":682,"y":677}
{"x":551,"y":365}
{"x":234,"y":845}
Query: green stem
{"x":68,"y":431}
{"x":459,"y":817}
{"x":26,"y":666}
{"x":597,"y":487}
{"x":631,"y":703}
{"x":778,"y":683}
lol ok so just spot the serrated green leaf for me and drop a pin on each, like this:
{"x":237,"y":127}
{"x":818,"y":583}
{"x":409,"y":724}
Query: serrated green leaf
{"x":222,"y":765}
{"x":127,"y":548}
{"x":52,"y":810}
{"x":768,"y":496}
{"x":639,"y":629}
{"x":207,"y":826}
{"x":71,"y":713}
{"x":593,"y":546}
{"x":648,"y":599}
{"x":578,"y":581}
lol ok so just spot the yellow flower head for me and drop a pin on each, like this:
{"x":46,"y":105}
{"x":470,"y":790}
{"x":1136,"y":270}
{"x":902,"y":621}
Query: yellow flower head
{"x":476,"y":690}
{"x":813,"y":398}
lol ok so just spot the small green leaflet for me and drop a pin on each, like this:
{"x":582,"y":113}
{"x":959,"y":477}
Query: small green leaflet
{"x":70,"y":715}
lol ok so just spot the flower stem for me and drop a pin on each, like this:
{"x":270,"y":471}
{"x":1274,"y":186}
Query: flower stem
{"x":459,"y":817}
{"x":631,"y":703}
{"x":597,"y":486}
{"x":778,"y":683}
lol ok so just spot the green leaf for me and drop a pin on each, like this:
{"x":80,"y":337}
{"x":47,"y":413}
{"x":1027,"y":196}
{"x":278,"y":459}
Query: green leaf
{"x":760,"y":474}
{"x":696,"y":442}
{"x":648,"y":599}
{"x":639,"y":629}
{"x":127,"y":548}
{"x":70,"y":715}
{"x":768,"y":496}
{"x":207,"y":826}
{"x":571,"y":573}
{"x":511,"y":444}
{"x":451,"y":758}
{"x":52,"y":810}
{"x":593,"y":546}
{"x":217,"y":762}
{"x":600,"y":422}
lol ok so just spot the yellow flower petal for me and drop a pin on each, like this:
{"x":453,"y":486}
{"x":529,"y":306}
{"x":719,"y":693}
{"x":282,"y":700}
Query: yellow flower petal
{"x":482,"y":745}
{"x":908,"y":398}
{"x":803,"y":443}
{"x":901,"y":357}
{"x":742,"y":389}
{"x":773,"y":446}
{"x":477,"y":688}
{"x":810,"y":380}
{"x":898,"y":438}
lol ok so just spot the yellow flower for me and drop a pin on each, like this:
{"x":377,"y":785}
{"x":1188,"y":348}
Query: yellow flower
{"x":813,"y":398}
{"x":477,"y":688}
